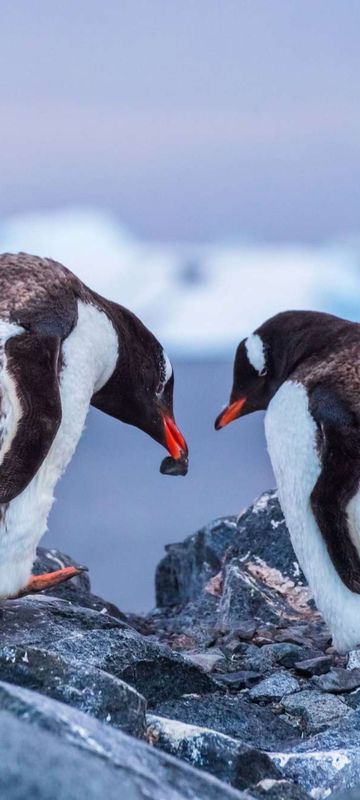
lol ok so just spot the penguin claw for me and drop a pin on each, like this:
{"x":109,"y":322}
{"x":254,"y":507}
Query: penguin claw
{"x":48,"y":580}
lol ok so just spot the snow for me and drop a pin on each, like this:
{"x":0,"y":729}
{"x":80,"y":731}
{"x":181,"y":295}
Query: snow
{"x":199,"y":299}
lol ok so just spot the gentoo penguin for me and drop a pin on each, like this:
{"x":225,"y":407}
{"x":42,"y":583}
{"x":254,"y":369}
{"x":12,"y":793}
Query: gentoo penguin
{"x":303,"y":368}
{"x":63,"y":347}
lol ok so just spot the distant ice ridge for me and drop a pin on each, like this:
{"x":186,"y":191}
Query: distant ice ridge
{"x":200,"y":300}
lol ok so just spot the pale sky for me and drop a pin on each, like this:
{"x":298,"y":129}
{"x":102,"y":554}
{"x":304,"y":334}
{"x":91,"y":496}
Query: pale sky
{"x":189,"y":119}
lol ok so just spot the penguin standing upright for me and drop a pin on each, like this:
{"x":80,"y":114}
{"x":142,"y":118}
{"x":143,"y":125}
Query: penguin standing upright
{"x":303,"y":368}
{"x":62,"y":348}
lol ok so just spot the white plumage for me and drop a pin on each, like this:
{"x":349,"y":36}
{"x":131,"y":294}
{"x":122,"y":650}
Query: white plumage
{"x":256,"y":352}
{"x":291,"y":437}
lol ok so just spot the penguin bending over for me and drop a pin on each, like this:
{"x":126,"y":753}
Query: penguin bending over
{"x":62,"y":348}
{"x":303,"y":369}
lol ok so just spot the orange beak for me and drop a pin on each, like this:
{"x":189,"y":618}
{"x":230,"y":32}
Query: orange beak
{"x":231,"y":412}
{"x":175,"y":441}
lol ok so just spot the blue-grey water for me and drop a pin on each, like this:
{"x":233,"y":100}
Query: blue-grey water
{"x":115,"y":511}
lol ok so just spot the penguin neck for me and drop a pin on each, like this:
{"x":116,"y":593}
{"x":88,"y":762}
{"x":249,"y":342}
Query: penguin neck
{"x":98,"y":345}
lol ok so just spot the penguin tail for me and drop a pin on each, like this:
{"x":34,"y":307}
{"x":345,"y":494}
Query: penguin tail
{"x":30,"y":408}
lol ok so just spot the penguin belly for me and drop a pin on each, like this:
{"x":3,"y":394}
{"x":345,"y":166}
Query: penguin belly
{"x":291,"y":438}
{"x":89,"y":355}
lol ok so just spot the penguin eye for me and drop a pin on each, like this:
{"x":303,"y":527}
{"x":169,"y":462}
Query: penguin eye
{"x":159,"y":389}
{"x":263,"y":373}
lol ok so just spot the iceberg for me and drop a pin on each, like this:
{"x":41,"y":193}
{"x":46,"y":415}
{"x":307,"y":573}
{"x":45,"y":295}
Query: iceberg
{"x":199,"y":299}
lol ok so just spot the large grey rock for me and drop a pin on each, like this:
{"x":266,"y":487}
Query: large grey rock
{"x":231,"y":715}
{"x":98,"y":641}
{"x":53,"y":752}
{"x":345,"y":733}
{"x":310,"y":765}
{"x":320,"y":771}
{"x":81,"y":686}
{"x":264,"y":659}
{"x":327,"y":761}
{"x":234,"y":570}
{"x":189,"y":565}
{"x":35,"y":764}
{"x":338,"y":680}
{"x":314,"y":666}
{"x":316,"y":710}
{"x":274,"y":687}
{"x":259,"y":532}
{"x":77,"y":589}
{"x":230,"y":760}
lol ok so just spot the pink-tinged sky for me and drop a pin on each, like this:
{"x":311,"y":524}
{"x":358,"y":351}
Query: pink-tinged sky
{"x":190,"y":119}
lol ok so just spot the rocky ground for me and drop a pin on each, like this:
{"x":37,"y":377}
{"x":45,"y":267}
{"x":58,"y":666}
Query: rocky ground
{"x":228,"y":689}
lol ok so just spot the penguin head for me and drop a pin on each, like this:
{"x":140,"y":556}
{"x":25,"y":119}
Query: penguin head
{"x":266,"y":358}
{"x":140,"y":390}
{"x":251,"y":390}
{"x":150,"y":406}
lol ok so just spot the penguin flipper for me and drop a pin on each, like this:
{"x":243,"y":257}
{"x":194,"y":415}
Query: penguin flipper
{"x":338,"y":482}
{"x":32,"y":364}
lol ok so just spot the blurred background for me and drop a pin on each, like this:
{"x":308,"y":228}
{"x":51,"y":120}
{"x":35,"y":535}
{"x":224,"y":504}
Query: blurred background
{"x":198,"y":161}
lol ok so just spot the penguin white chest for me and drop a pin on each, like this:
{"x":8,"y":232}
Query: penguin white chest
{"x":291,"y":438}
{"x":89,"y":358}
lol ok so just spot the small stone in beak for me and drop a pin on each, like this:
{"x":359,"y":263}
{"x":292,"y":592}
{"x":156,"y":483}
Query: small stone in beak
{"x":174,"y":466}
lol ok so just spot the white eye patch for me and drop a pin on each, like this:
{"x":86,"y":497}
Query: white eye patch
{"x":166,"y":373}
{"x":255,"y":352}
{"x":168,"y":370}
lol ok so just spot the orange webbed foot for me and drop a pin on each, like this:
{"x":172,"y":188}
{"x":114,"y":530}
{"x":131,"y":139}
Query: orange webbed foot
{"x":37,"y":583}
